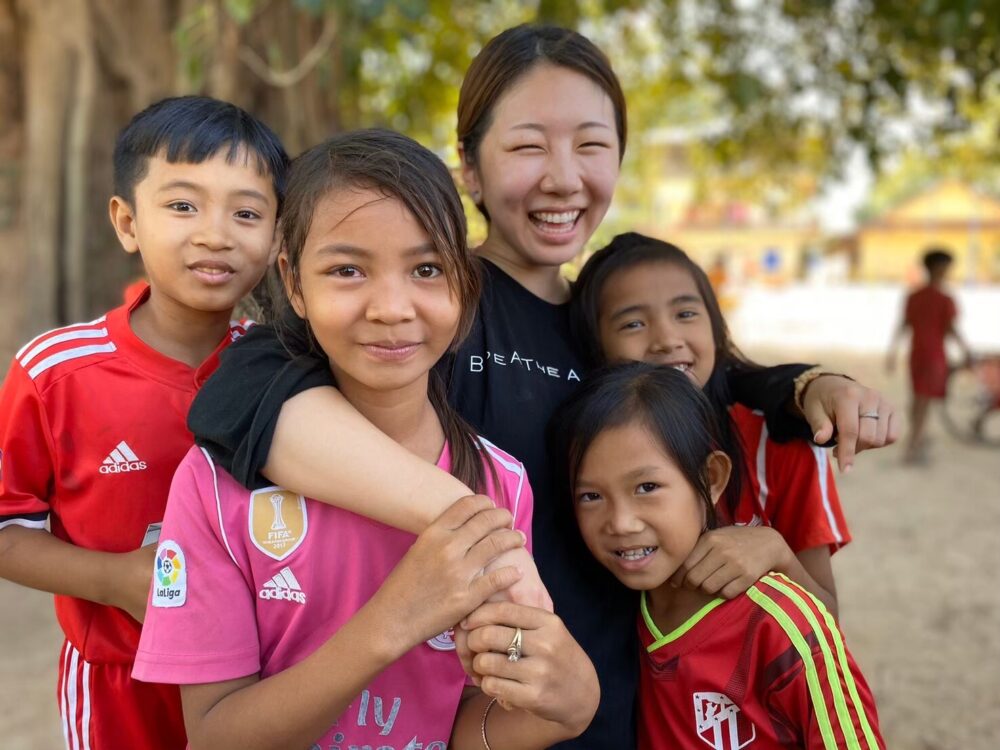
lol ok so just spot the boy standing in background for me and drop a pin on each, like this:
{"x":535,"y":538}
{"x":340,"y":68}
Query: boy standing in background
{"x":929,"y":314}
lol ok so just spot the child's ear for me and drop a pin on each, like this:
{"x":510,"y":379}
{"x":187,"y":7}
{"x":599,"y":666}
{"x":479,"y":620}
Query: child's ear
{"x":291,"y":288}
{"x":718,"y":467}
{"x":470,"y":177}
{"x":122,"y":217}
{"x":272,"y":255}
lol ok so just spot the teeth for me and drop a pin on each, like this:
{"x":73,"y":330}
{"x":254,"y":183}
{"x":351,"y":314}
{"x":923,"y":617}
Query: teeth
{"x":635,"y":554}
{"x":681,"y":368}
{"x":565,"y":217}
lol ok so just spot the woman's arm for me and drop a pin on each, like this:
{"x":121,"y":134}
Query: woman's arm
{"x":267,"y":413}
{"x":831,"y":405}
{"x":294,"y":707}
{"x":323,"y":448}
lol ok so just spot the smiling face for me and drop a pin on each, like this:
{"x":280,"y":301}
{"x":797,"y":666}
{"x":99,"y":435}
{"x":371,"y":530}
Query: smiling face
{"x":372,"y":287}
{"x":638,"y":514}
{"x":653,"y":312}
{"x":546,"y":167}
{"x":205,"y":231}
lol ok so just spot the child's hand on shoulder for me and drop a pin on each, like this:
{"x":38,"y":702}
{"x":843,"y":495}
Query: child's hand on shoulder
{"x":726,"y":562}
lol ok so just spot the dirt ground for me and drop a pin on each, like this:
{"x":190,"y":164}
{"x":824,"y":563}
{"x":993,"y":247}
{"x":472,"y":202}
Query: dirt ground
{"x":918,"y":599}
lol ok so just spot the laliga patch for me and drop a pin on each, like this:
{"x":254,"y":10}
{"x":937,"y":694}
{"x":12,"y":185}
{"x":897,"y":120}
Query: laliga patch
{"x":443,"y":642}
{"x":278,"y":521}
{"x":169,"y":576}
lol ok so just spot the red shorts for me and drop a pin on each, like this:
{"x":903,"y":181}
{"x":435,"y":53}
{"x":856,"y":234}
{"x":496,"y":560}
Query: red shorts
{"x":929,"y":377}
{"x":103,"y":708}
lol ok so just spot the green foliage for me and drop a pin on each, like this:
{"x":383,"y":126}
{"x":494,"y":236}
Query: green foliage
{"x":764,"y":91}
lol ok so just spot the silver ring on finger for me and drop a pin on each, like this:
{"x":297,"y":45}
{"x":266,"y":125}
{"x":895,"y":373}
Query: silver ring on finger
{"x":514,"y":649}
{"x":869,"y":415}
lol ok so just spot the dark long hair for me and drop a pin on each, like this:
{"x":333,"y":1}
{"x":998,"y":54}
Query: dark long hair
{"x":399,"y":168}
{"x":632,"y":249}
{"x":662,"y":400}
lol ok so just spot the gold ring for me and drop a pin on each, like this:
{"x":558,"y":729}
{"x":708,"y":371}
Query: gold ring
{"x":514,"y":649}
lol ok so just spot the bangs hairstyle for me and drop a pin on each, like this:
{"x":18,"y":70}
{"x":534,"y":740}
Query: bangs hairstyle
{"x":513,"y":53}
{"x":191,"y":130}
{"x":664,"y":401}
{"x":396,"y":167}
{"x":628,"y":251}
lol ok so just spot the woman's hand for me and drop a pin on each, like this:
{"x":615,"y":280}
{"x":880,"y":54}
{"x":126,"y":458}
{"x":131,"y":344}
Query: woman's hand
{"x":553,"y":679}
{"x":834,"y":402}
{"x":440,"y":579}
{"x":726,"y":562}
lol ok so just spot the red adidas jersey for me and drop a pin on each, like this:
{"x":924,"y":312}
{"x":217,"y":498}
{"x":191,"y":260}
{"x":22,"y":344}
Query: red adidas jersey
{"x":791,"y":487}
{"x":766,"y":671}
{"x":93,"y":423}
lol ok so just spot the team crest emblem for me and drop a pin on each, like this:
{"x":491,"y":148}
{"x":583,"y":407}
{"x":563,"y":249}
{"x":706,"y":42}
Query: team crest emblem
{"x":721,"y":725}
{"x":278,"y":521}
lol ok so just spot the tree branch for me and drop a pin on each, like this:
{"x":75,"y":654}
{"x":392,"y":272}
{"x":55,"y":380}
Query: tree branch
{"x":287,"y":78}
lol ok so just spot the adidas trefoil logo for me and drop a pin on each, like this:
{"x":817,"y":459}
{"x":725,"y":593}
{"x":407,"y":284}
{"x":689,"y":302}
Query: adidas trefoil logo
{"x":283,"y":586}
{"x":122,"y":459}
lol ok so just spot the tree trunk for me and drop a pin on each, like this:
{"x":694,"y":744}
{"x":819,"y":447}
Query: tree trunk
{"x":47,"y":74}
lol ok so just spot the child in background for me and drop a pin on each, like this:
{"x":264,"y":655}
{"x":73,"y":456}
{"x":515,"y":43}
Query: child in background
{"x":315,"y":624}
{"x":643,"y":299}
{"x":930,"y":315}
{"x":92,"y":416}
{"x":769,"y":667}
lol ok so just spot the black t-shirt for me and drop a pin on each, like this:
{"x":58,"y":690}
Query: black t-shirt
{"x":507,"y":379}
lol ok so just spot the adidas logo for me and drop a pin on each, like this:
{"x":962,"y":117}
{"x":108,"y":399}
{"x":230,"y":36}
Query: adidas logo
{"x":121,"y":460}
{"x":283,"y":586}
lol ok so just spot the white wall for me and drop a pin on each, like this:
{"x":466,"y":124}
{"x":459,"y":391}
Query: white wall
{"x":850,"y":317}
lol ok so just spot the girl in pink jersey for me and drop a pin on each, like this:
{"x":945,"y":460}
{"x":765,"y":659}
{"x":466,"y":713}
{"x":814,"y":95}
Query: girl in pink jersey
{"x":288,"y":622}
{"x":643,"y":299}
{"x":642,"y":451}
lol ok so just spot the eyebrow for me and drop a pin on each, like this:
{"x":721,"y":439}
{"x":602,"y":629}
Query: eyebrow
{"x":354,"y":251}
{"x":680,"y":299}
{"x":541,"y":128}
{"x":186,"y":185}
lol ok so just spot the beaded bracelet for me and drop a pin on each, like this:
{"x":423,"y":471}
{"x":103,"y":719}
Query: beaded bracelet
{"x":486,"y":713}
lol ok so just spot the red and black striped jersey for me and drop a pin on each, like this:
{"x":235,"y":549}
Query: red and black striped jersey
{"x":93,"y":423}
{"x":768,"y":670}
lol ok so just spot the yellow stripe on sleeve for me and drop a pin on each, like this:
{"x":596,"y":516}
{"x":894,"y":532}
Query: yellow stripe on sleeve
{"x":805,"y":652}
{"x":838,"y":643}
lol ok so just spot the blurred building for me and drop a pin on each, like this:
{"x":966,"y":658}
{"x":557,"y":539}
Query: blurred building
{"x":776,"y":241}
{"x":949,"y":213}
{"x":736,"y":239}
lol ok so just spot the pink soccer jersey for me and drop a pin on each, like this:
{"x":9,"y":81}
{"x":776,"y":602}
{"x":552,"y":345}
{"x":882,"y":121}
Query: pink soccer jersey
{"x":252,"y":582}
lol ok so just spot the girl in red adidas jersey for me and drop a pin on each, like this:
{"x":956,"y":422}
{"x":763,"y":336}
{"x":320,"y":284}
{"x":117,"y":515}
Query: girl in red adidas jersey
{"x":643,"y":299}
{"x":769,"y":667}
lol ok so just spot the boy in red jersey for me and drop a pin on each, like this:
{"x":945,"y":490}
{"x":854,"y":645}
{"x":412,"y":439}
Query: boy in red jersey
{"x":93,"y":415}
{"x":930,"y":315}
